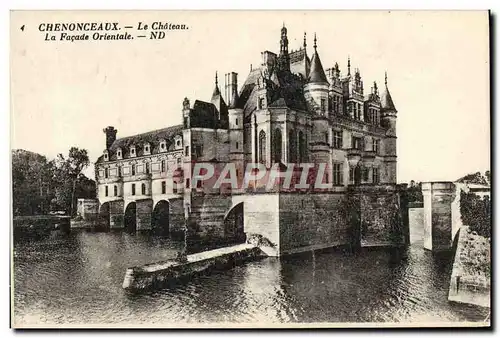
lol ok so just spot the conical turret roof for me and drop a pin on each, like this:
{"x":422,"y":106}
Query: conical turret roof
{"x":316,"y":73}
{"x":386,"y":99}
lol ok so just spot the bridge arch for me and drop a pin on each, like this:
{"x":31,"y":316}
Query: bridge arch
{"x":160,"y":218}
{"x":234,"y":227}
{"x":104,"y":215}
{"x":130,"y":218}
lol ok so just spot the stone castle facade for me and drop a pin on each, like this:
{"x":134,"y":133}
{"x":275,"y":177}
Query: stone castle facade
{"x":289,"y":110}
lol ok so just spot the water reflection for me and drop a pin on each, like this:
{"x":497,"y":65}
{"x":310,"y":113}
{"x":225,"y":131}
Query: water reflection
{"x":76,"y":279}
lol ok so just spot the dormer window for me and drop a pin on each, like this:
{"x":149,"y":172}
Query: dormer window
{"x":163,"y":145}
{"x":106,"y":155}
{"x":147,"y":149}
{"x":119,"y":154}
{"x":178,"y":142}
{"x":132,"y":151}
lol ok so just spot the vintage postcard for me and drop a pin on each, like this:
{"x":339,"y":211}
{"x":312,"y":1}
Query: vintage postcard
{"x":250,"y":169}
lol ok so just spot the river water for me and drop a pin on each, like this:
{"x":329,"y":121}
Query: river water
{"x":76,"y":279}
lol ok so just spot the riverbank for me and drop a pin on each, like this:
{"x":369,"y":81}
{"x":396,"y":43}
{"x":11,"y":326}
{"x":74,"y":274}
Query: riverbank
{"x":471,"y":275}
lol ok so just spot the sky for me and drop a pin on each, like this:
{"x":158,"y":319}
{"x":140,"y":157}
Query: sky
{"x":64,"y":94}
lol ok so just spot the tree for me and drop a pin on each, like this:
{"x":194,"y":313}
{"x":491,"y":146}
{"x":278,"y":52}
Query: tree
{"x":68,"y":171}
{"x":31,"y":182}
{"x":476,"y":178}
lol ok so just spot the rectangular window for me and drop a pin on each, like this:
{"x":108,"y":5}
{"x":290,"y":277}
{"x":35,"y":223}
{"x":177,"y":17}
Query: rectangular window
{"x":187,"y":183}
{"x":179,"y":160}
{"x":133,"y":189}
{"x":356,"y":143}
{"x":236,"y":122}
{"x":163,"y":166}
{"x":376,"y":146}
{"x":337,"y":139}
{"x":351,"y":175}
{"x":199,"y":184}
{"x":147,"y":167}
{"x":376,"y":175}
{"x":237,"y":144}
{"x":261,"y":103}
{"x":323,"y":105}
{"x":106,"y":173}
{"x":337,"y":174}
{"x":198,"y":150}
{"x":366,"y":174}
{"x":133,"y":169}
{"x":174,"y":188}
{"x":106,"y":191}
{"x":186,"y":152}
{"x":115,"y":190}
{"x":163,"y":187}
{"x":119,"y":171}
{"x":143,"y":189}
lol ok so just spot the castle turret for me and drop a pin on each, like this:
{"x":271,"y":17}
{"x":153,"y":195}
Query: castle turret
{"x":316,"y":89}
{"x":316,"y":94}
{"x":388,"y":119}
{"x":236,"y":153}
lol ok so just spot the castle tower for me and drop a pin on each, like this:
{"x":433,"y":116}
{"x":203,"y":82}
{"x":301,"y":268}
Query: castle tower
{"x":236,"y":150}
{"x":316,"y":93}
{"x":388,"y":119}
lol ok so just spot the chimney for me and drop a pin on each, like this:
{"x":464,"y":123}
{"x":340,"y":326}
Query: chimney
{"x":231,"y":87}
{"x":110,"y":136}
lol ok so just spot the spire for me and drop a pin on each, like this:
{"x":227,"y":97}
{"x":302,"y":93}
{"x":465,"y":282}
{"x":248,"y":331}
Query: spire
{"x":386,"y":99}
{"x":348,"y":65}
{"x":316,"y":74}
{"x":216,"y":89}
{"x":284,"y":59}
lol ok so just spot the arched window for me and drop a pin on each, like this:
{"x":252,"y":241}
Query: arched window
{"x":302,"y":147}
{"x":292,"y":146}
{"x":143,"y":189}
{"x":277,"y":143}
{"x":115,"y":188}
{"x":262,"y":146}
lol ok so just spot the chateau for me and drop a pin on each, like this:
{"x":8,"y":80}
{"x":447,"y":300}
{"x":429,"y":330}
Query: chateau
{"x":289,"y":110}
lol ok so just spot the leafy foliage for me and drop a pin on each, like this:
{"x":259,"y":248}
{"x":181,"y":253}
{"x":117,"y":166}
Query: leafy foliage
{"x":40,"y":185}
{"x":414,"y":192}
{"x":476,"y":213}
{"x":476,"y":178}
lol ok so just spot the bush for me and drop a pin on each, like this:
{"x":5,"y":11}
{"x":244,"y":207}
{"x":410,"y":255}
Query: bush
{"x":476,"y":213}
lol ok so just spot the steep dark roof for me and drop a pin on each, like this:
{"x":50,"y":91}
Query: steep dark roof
{"x":386,"y":100}
{"x":317,"y":74}
{"x":152,"y":137}
{"x":284,"y":89}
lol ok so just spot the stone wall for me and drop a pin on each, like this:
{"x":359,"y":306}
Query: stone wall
{"x":206,"y":218}
{"x":116,"y":214}
{"x":88,"y":208}
{"x":416,"y":222}
{"x":438,"y":199}
{"x":312,"y":221}
{"x":261,"y":217}
{"x":144,"y":209}
{"x":381,"y":212}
